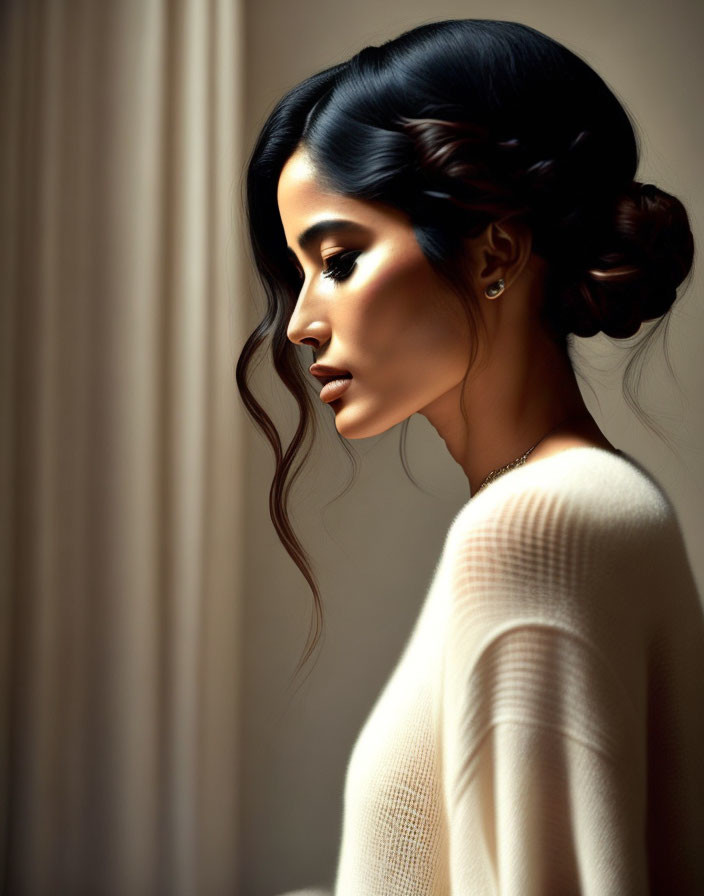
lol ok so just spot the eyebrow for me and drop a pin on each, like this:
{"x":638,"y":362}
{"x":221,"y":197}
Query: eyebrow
{"x":321,"y":228}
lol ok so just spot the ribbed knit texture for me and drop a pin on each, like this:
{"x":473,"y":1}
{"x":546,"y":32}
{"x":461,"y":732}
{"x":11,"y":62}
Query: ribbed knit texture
{"x":542,"y":733}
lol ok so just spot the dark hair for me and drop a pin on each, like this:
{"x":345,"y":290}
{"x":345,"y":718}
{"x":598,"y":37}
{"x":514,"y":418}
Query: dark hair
{"x":459,"y":123}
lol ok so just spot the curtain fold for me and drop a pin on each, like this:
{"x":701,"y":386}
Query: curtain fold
{"x":121,"y":456}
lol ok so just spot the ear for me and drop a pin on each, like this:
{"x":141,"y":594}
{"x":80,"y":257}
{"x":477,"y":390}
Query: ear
{"x":499,"y":252}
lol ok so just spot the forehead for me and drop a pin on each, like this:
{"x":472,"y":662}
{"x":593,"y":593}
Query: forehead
{"x":303,"y":200}
{"x":300,"y":189}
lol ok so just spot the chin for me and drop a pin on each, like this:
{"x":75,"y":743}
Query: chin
{"x":353,"y":424}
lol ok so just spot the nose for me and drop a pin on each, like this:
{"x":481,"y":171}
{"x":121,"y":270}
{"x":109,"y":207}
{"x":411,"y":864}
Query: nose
{"x":307,"y":326}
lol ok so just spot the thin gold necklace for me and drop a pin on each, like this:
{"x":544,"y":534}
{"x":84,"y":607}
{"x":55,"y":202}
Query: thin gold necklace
{"x":522,"y":459}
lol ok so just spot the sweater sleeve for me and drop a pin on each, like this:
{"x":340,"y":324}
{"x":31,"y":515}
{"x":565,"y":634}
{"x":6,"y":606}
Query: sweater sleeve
{"x":542,"y":726}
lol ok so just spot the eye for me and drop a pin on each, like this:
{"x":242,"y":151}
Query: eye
{"x":340,"y":266}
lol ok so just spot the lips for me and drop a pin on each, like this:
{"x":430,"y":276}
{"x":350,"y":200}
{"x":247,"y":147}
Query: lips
{"x":330,"y":379}
{"x":335,"y":388}
{"x":327,"y":374}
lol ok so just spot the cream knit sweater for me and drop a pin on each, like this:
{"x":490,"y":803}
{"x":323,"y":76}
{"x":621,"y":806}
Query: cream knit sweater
{"x":542,"y":733}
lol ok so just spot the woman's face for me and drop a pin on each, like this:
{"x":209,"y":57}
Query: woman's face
{"x":373,"y":304}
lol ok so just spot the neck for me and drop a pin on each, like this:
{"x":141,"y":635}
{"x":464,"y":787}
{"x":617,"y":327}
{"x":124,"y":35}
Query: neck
{"x":510,"y":407}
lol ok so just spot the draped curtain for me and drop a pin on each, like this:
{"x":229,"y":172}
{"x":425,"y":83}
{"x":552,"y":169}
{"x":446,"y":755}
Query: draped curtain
{"x":121,"y":449}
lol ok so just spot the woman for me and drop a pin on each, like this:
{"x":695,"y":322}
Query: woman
{"x":434,"y":218}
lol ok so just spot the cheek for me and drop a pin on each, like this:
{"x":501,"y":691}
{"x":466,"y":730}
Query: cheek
{"x":402,"y":311}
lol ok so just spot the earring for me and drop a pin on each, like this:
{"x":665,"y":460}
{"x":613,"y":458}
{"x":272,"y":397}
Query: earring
{"x":491,"y":292}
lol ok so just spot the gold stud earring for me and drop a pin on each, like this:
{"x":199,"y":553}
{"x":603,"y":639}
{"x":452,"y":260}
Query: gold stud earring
{"x":491,"y":292}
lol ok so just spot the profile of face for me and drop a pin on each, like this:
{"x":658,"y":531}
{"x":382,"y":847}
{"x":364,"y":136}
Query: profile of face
{"x":371,"y":304}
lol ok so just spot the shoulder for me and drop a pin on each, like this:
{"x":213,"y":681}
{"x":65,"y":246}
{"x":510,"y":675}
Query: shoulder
{"x":561,"y":576}
{"x":580,"y":529}
{"x":579,"y":490}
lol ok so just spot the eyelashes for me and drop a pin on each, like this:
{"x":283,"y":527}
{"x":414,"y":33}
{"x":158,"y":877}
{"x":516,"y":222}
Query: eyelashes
{"x":337,"y":268}
{"x":340,"y":266}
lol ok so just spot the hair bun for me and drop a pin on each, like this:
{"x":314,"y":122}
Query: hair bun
{"x":647,"y":253}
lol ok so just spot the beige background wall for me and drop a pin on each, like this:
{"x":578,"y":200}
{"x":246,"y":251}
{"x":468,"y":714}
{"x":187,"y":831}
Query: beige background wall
{"x":374,"y":549}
